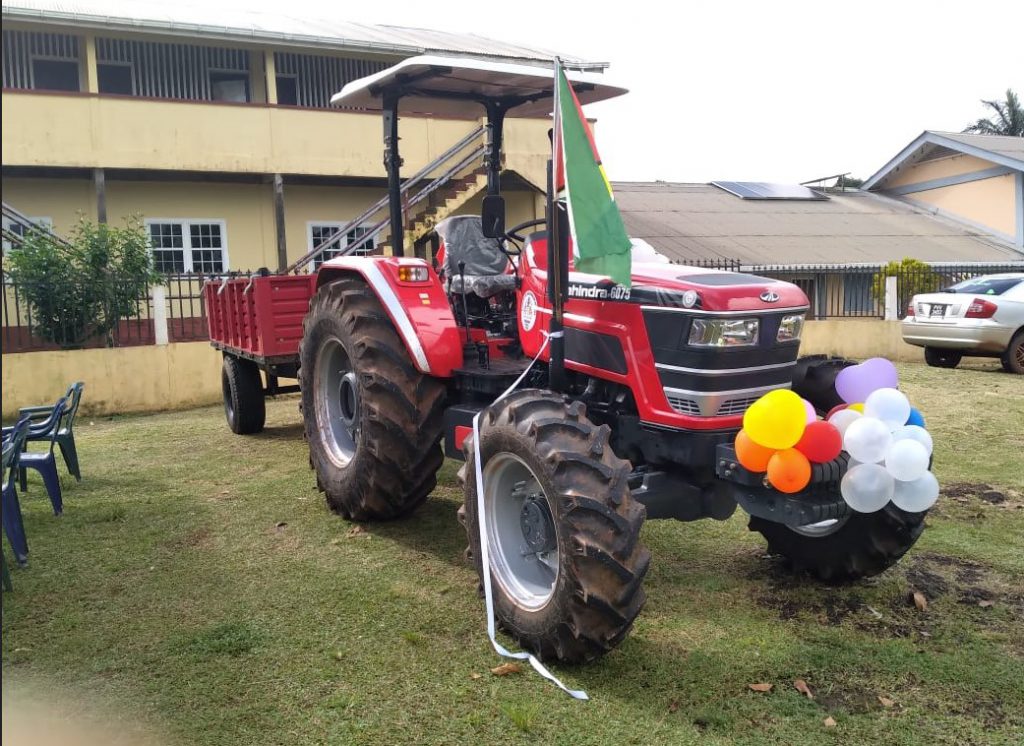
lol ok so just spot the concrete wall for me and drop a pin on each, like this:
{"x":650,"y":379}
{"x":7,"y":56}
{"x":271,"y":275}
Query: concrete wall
{"x":858,"y":339}
{"x":989,"y":202}
{"x":938,"y":168}
{"x":127,"y":379}
{"x":187,"y":374}
{"x":95,"y":131}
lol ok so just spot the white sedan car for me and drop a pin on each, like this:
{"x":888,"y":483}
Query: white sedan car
{"x":980,"y":317}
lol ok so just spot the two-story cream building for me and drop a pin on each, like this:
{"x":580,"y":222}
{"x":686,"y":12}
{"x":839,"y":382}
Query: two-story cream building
{"x":216,"y":128}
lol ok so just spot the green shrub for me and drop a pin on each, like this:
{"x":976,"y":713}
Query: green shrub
{"x":80,"y":289}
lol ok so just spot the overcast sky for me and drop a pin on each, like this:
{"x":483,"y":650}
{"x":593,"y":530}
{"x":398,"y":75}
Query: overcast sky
{"x":782,"y":90}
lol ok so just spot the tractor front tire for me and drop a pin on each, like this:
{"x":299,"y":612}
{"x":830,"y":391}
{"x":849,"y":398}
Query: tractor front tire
{"x":563,"y":530}
{"x":242,"y":387}
{"x":814,"y":378}
{"x":857,"y":546}
{"x":372,"y":420}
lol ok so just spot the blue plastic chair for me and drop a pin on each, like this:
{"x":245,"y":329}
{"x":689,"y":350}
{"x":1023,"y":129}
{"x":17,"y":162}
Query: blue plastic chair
{"x":45,"y":463}
{"x":66,"y":434}
{"x":14,"y":527}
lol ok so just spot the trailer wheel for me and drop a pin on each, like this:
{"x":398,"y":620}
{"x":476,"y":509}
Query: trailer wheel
{"x":563,"y":530}
{"x":244,"y":406}
{"x":856,"y":546}
{"x":372,"y":420}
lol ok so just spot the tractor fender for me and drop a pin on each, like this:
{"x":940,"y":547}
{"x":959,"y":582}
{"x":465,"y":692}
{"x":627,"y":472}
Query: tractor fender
{"x":419,"y":310}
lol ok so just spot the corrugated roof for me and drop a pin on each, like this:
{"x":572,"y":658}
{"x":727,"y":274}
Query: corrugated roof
{"x":697,"y":221}
{"x":210,"y":21}
{"x":1011,"y":147}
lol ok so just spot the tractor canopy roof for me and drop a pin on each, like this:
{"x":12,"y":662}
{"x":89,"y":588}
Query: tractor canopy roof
{"x":458,"y":86}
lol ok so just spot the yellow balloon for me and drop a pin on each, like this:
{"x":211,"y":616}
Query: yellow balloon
{"x":776,"y":420}
{"x":858,"y":407}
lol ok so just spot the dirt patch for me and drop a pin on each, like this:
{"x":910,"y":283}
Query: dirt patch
{"x":848,"y":700}
{"x":964,"y":489}
{"x":931,"y":584}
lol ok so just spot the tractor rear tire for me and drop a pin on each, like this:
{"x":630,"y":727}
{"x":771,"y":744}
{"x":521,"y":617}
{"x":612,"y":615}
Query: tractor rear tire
{"x":545,"y":463}
{"x":938,"y":357}
{"x":373,"y":421}
{"x":858,"y":546}
{"x":242,"y":387}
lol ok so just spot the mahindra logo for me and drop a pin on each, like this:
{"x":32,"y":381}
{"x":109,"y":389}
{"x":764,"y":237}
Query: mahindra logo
{"x":769,"y":296}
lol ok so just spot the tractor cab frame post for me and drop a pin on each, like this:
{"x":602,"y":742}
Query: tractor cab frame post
{"x":392,"y":163}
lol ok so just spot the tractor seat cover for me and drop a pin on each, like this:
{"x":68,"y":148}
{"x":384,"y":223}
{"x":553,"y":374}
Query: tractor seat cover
{"x":485,"y":266}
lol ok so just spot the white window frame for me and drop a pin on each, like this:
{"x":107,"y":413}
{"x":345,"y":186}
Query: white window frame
{"x":334,"y":225}
{"x":8,"y":224}
{"x":186,"y":236}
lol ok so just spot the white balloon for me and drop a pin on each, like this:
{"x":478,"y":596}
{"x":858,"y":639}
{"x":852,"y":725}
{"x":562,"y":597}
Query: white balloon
{"x":867,"y":488}
{"x":906,"y":460}
{"x":916,"y":496}
{"x":844,"y":418}
{"x":867,"y":439}
{"x":889,"y":405}
{"x":914,"y":432}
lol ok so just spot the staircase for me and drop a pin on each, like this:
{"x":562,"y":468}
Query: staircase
{"x":428,"y":197}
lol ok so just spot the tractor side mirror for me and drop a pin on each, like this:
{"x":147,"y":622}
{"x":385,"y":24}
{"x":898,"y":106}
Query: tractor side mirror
{"x":492,"y":216}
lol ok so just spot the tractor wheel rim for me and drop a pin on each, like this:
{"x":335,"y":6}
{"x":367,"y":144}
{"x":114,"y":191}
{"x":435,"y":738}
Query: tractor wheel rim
{"x":527,"y":576}
{"x":822,"y":528}
{"x":337,"y":403}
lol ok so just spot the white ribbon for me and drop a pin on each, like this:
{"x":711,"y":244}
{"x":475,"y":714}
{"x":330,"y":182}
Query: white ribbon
{"x":485,"y":561}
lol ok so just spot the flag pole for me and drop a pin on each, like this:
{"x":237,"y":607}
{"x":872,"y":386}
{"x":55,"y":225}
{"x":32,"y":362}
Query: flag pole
{"x":558,"y":259}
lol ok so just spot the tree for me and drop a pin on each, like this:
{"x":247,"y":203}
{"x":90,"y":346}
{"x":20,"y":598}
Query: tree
{"x":1008,"y":118}
{"x":82,"y":288}
{"x":912,"y":277}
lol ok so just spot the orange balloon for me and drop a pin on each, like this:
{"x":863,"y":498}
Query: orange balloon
{"x":789,"y":471}
{"x":751,"y":455}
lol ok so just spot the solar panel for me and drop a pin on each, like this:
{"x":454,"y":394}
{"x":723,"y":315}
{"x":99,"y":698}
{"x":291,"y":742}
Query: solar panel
{"x":764,"y":190}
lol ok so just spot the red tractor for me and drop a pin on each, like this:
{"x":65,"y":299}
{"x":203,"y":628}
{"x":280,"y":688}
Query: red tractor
{"x":628,"y":414}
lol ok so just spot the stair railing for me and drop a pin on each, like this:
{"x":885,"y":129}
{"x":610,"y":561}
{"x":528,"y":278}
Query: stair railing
{"x":472,"y":142}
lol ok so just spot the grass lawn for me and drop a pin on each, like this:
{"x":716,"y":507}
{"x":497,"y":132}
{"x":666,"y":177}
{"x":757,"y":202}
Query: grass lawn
{"x":198,"y":591}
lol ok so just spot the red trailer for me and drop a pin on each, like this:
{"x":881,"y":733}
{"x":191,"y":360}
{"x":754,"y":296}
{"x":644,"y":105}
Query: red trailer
{"x":257,"y":323}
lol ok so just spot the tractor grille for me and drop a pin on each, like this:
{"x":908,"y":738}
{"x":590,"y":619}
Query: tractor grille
{"x":714,"y":403}
{"x":717,"y":382}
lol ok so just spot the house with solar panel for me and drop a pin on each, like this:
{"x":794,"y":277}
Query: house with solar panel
{"x":216,"y":128}
{"x":953,"y":201}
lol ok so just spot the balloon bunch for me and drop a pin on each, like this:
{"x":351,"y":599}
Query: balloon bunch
{"x":884,"y":436}
{"x":782,"y":436}
{"x":888,"y":445}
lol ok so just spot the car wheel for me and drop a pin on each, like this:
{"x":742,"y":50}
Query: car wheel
{"x":939,"y":358}
{"x":1013,"y":358}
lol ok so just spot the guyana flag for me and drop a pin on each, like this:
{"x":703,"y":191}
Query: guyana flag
{"x":600,"y":243}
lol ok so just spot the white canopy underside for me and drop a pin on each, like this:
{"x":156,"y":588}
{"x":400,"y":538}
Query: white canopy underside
{"x":447,"y":86}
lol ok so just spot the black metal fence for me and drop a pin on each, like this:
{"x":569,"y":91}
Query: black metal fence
{"x":184,"y":307}
{"x":834,"y":291}
{"x":858,"y":291}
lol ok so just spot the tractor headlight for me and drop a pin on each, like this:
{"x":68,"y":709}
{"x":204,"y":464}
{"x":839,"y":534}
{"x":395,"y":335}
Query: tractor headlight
{"x":791,"y":328}
{"x":724,"y":332}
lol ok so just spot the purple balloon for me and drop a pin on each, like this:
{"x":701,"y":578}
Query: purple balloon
{"x":855,"y":383}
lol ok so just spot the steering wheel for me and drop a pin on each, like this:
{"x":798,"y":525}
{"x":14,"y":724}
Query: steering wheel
{"x":513,"y":232}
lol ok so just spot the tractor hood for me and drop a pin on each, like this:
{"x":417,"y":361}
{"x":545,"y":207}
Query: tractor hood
{"x":660,"y":283}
